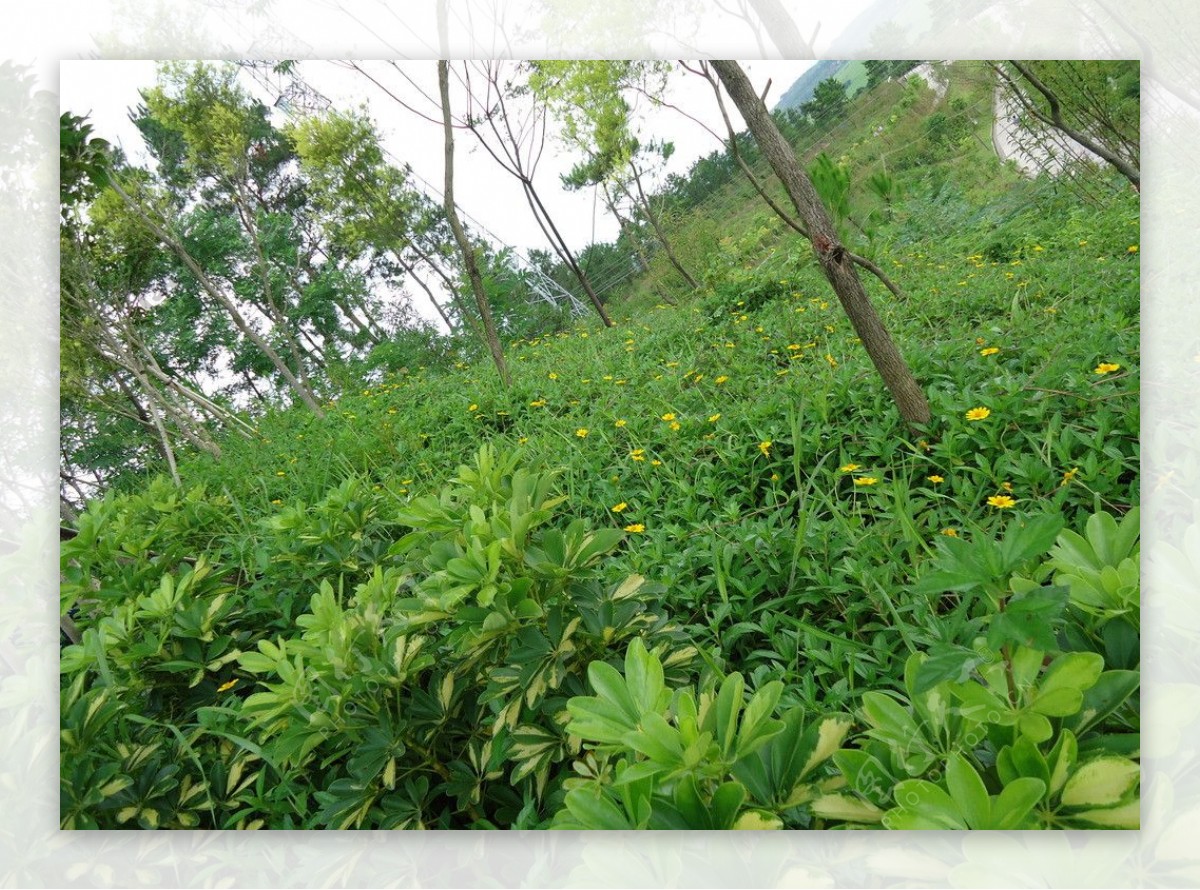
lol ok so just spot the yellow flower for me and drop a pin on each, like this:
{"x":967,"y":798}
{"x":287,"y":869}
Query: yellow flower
{"x":832,"y":361}
{"x":656,"y":463}
{"x":522,"y":440}
{"x":1068,"y":476}
{"x":1107,"y":367}
{"x":553,"y":376}
{"x":713,"y":418}
{"x":978,"y":414}
{"x":1132,"y":248}
{"x":280,"y":473}
{"x":991,"y":350}
{"x":721,"y":379}
{"x":1007,"y":486}
{"x":617,"y":508}
{"x":848,"y":468}
{"x":1002,"y":501}
{"x":472,"y":407}
{"x":581,"y":432}
{"x":675,"y":426}
{"x":865,"y":480}
{"x":621,"y":423}
{"x":538,"y":403}
{"x":224,"y":686}
{"x":935,"y":478}
{"x":668,"y":416}
{"x":774,"y":477}
{"x":950,"y":532}
{"x":635,"y":528}
{"x":765,"y":447}
{"x":793,"y":347}
{"x":638,"y":454}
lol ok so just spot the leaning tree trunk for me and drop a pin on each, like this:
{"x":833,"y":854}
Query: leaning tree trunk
{"x":833,"y":257}
{"x":468,"y":251}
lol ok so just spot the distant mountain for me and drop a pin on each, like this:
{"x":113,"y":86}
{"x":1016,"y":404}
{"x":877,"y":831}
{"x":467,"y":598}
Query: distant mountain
{"x":802,"y":90}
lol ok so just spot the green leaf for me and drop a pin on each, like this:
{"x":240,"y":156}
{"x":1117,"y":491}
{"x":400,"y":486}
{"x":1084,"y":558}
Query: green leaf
{"x":1029,"y":620}
{"x":1014,"y":804}
{"x":595,"y":811}
{"x":1102,"y":782}
{"x":968,"y":792}
{"x":1127,"y":816}
{"x":644,"y":679}
{"x":923,"y":805}
{"x":1026,"y":539}
{"x":1074,"y":670}
{"x":845,"y":808}
{"x":945,"y":662}
{"x":608,"y":683}
{"x":1110,"y":691}
{"x":726,"y":709}
{"x":758,"y":820}
{"x":657,"y":740}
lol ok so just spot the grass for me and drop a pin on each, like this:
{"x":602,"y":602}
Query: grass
{"x":742,"y":439}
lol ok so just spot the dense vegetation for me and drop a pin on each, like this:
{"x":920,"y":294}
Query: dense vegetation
{"x":690,"y":571}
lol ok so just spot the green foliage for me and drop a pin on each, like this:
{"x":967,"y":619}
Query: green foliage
{"x":676,"y":759}
{"x":762,"y":602}
{"x":828,"y":102}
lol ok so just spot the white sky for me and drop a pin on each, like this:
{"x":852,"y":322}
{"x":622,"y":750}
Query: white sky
{"x":107,"y":90}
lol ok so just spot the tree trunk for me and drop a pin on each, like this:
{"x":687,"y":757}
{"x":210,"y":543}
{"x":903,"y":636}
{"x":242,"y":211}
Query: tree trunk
{"x":464,"y":245}
{"x":1055,"y":120}
{"x":306,"y":394}
{"x":644,"y":203}
{"x":832,"y":256}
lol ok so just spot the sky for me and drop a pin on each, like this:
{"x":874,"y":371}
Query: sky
{"x":490,"y":198}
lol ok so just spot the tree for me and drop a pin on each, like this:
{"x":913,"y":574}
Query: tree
{"x":369,"y":206}
{"x":597,"y":120}
{"x":520,"y":141}
{"x":832,"y":256}
{"x":1094,"y":103}
{"x":879,"y":70}
{"x":464,"y":244}
{"x":828,"y":103}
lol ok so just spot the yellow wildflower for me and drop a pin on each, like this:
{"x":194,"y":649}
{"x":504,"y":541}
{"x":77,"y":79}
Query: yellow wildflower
{"x":668,"y":416}
{"x":621,"y":423}
{"x":581,"y":432}
{"x":978,"y":414}
{"x":1107,"y":367}
{"x":229,"y":685}
{"x":713,"y":418}
{"x":635,"y":528}
{"x":865,"y":480}
{"x":950,"y":532}
{"x":1002,"y":501}
{"x":472,"y":407}
{"x":991,"y":350}
{"x":617,"y":508}
{"x":721,"y":379}
{"x":765,"y":447}
{"x":848,"y":468}
{"x":935,"y":478}
{"x":1068,"y":476}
